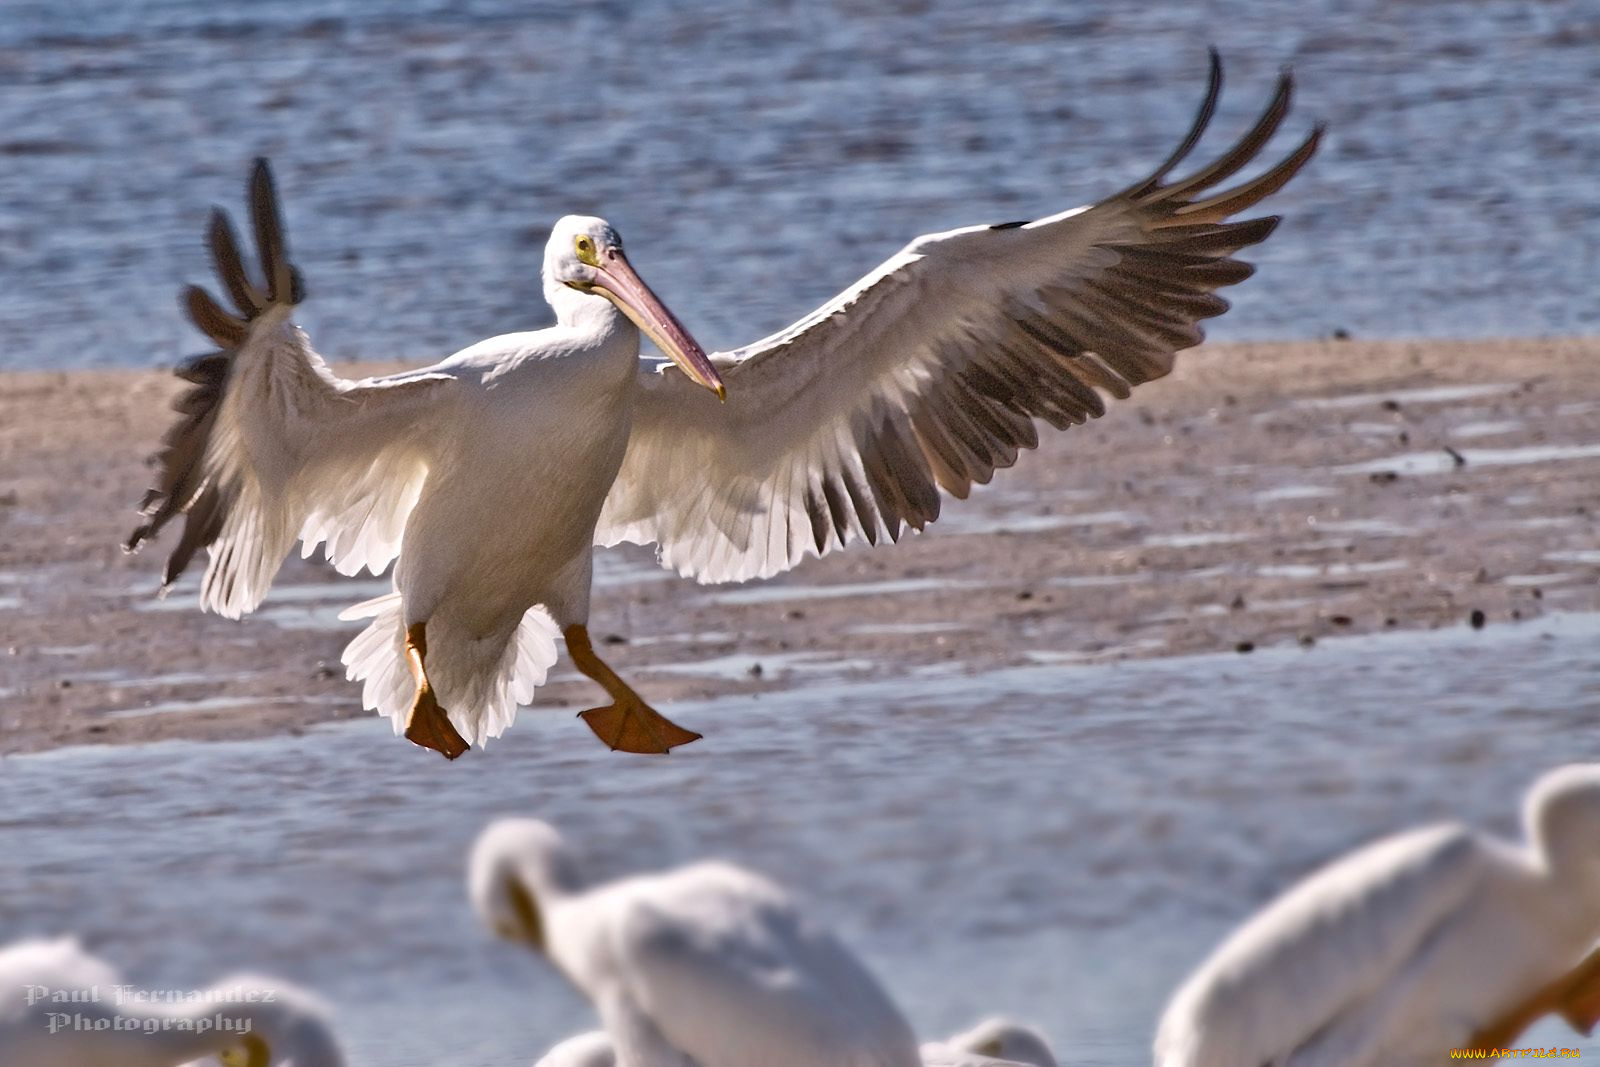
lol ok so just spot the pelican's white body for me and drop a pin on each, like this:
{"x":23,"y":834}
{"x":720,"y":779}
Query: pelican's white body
{"x":558,"y":405}
{"x":290,"y":1021}
{"x":1402,"y":950}
{"x":499,"y":547}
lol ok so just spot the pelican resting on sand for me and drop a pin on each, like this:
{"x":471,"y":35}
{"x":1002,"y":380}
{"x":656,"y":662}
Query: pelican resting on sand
{"x":59,"y":1007}
{"x":708,"y":965}
{"x":1437,"y":939}
{"x":491,"y":476}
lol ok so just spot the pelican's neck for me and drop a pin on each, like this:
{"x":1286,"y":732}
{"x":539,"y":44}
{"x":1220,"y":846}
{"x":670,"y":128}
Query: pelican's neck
{"x":582,"y":311}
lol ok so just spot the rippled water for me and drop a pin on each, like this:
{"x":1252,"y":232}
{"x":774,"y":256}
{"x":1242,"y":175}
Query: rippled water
{"x":1060,"y":843}
{"x":760,"y":157}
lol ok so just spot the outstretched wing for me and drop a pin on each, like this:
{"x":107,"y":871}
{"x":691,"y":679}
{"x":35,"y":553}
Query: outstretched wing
{"x":270,"y":445}
{"x":931,"y":371}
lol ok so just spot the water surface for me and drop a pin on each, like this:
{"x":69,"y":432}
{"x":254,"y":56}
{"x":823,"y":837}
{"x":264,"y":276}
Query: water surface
{"x":1061,"y":843}
{"x":760,"y":157}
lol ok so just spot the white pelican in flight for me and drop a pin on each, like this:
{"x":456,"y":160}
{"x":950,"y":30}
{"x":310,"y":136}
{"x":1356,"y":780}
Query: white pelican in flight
{"x":708,"y":965}
{"x":59,"y":1007}
{"x":1427,"y":941}
{"x":992,"y":1043}
{"x":491,"y":476}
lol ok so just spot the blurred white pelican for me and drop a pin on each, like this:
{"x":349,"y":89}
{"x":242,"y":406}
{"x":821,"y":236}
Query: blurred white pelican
{"x":1393,"y":955}
{"x":992,"y":1043}
{"x":492,"y":475}
{"x":993,"y":1040}
{"x":708,"y":965}
{"x":56,"y":986}
{"x":592,"y":1049}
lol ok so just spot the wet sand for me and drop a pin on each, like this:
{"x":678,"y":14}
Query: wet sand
{"x":1265,"y":495}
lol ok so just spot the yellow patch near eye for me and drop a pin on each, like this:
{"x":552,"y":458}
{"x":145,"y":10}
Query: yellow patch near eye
{"x":585,"y":247}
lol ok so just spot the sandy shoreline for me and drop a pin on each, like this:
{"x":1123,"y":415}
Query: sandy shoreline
{"x":1266,"y":494}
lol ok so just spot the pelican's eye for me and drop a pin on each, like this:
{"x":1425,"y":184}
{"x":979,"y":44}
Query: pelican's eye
{"x":585,"y":246}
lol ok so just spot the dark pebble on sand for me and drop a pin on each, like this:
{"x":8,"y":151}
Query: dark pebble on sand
{"x":1244,"y":646}
{"x":1477,"y":619}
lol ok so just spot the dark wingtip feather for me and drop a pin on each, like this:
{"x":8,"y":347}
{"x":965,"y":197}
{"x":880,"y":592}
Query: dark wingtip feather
{"x":182,"y":482}
{"x":1197,"y":129}
{"x":227,"y":330}
{"x":203,"y":369}
{"x":229,"y":265}
{"x":270,"y":242}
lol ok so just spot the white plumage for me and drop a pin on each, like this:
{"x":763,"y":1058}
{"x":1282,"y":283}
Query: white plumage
{"x":491,"y":476}
{"x":704,"y":966}
{"x":994,"y":1040}
{"x":992,"y":1043}
{"x":282,"y":1027}
{"x":592,"y":1049}
{"x":1402,"y":950}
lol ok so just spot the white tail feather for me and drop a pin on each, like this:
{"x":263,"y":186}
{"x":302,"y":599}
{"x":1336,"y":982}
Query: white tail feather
{"x":479,"y":681}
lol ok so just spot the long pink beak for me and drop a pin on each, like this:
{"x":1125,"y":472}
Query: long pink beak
{"x":617,"y":278}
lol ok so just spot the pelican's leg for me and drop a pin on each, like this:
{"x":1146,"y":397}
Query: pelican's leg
{"x":1575,"y":996}
{"x":428,"y":725}
{"x":628,"y":724}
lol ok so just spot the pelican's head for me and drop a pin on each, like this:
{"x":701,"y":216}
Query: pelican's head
{"x":585,"y":253}
{"x":279,"y":1023}
{"x":517,"y":868}
{"x":1003,"y":1039}
{"x":1562,"y":818}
